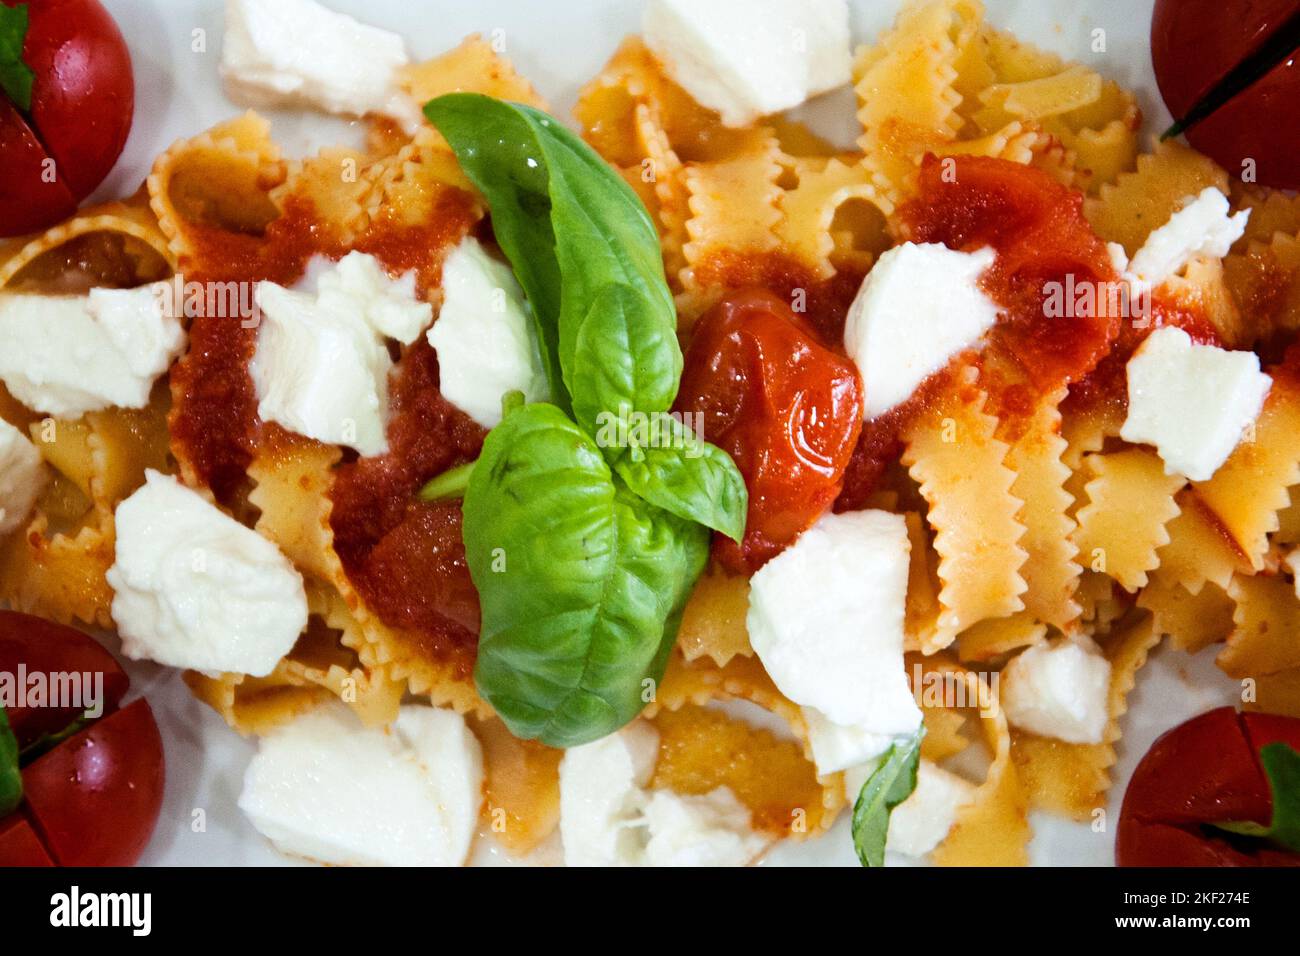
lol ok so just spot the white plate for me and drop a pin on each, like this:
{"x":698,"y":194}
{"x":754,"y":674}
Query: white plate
{"x":559,"y":45}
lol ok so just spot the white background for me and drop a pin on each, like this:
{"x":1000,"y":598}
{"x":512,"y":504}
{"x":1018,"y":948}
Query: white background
{"x":559,"y":44}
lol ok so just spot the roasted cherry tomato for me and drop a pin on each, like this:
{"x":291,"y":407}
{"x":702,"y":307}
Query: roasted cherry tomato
{"x":56,"y":149}
{"x":784,"y":406}
{"x":92,"y":781}
{"x":1194,"y":45}
{"x":1202,"y":772}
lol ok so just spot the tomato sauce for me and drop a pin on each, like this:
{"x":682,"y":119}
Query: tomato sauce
{"x":404,"y":557}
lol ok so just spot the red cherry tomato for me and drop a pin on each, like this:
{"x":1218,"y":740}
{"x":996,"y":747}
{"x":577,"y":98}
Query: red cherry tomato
{"x":93,"y":798}
{"x":83,"y":100}
{"x":1204,"y":771}
{"x":96,"y":797}
{"x":785,"y":407}
{"x":1194,"y":44}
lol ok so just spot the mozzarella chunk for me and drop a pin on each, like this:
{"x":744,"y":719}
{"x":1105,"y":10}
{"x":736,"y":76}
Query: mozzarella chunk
{"x":1201,"y":228}
{"x":194,"y":588}
{"x":1059,"y":689}
{"x":826,"y":619}
{"x":321,"y":365}
{"x":608,"y":818}
{"x":836,"y":747}
{"x":68,"y":355}
{"x":326,"y":788}
{"x":484,"y":338}
{"x":918,"y":307}
{"x":922,"y":821}
{"x":710,"y":829}
{"x":22,"y":477}
{"x":751,"y":58}
{"x":1192,"y":402}
{"x":296,"y":52}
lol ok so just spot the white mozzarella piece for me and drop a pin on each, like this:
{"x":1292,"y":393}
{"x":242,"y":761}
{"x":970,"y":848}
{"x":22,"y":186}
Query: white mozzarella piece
{"x":1203,"y":227}
{"x":321,"y":366}
{"x":751,"y":58}
{"x":922,"y":821}
{"x":710,"y":829}
{"x":194,"y":588}
{"x":836,"y":747}
{"x":608,"y":818}
{"x":484,"y":337}
{"x":328,"y":789}
{"x":1059,"y":689}
{"x":22,"y":477}
{"x":294,"y":53}
{"x":918,"y":307}
{"x":68,"y":355}
{"x":1192,"y":402}
{"x":826,"y":619}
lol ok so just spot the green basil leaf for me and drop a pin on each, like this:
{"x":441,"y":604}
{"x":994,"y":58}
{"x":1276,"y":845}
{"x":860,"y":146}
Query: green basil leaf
{"x":11,"y":778}
{"x":1281,"y":765}
{"x":891,"y":783}
{"x":16,"y":77}
{"x":498,"y":146}
{"x":582,"y":584}
{"x":679,"y":472}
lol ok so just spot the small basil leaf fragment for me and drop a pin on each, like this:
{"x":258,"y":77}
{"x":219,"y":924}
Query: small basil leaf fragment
{"x":11,"y":778}
{"x":891,"y":783}
{"x":16,"y":77}
{"x":1281,"y":765}
{"x":582,"y":583}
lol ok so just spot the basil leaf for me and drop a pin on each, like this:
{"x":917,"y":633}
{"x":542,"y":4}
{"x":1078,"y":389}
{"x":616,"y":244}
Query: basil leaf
{"x":16,"y":77}
{"x":891,"y":784}
{"x":1281,"y":765}
{"x":11,"y":778}
{"x":582,"y":584}
{"x":686,"y":476}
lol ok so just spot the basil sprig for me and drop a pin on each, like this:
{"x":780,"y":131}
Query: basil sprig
{"x":587,"y":255}
{"x":1281,"y":765}
{"x":16,"y":77}
{"x":11,"y":777}
{"x":891,"y":783}
{"x":583,"y":550}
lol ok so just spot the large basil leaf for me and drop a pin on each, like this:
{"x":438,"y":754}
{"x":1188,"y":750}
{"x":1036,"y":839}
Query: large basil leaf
{"x":891,"y":783}
{"x":582,"y":583}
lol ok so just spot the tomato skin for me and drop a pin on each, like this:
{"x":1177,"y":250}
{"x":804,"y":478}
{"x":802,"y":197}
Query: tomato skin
{"x":786,"y":408}
{"x":1194,"y":44}
{"x":42,"y":646}
{"x":27,"y":201}
{"x":1203,"y":771}
{"x":19,"y":843}
{"x":96,"y":797}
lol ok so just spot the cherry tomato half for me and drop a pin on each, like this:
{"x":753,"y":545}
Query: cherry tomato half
{"x":1194,"y":45}
{"x":1201,"y":772}
{"x":785,"y":407}
{"x":83,"y":100}
{"x":92,"y":787}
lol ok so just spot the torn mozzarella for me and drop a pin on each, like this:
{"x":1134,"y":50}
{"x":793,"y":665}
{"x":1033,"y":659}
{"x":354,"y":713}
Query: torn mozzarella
{"x":826,"y":619}
{"x":322,"y":363}
{"x":922,"y":821}
{"x":296,"y":52}
{"x":328,"y":789}
{"x":1059,"y":689}
{"x":1192,"y":402}
{"x":67,"y":355}
{"x":1203,"y":227}
{"x":751,"y":58}
{"x":484,"y":337}
{"x":919,"y":306}
{"x":194,"y":588}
